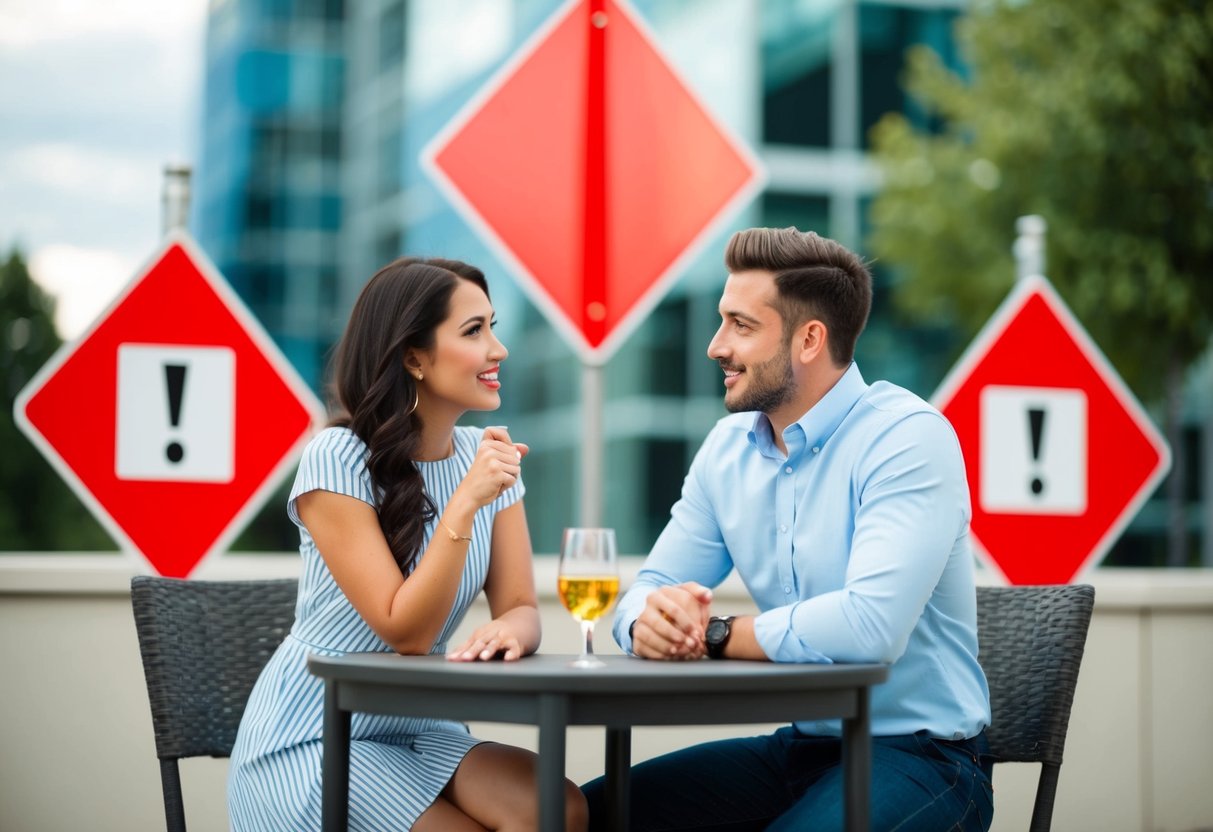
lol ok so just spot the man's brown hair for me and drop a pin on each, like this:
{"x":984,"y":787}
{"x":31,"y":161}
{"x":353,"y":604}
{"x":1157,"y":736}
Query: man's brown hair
{"x":816,"y":279}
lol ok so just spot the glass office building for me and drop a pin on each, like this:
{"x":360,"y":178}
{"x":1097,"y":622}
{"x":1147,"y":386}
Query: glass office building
{"x":268,"y":184}
{"x":371,"y":83}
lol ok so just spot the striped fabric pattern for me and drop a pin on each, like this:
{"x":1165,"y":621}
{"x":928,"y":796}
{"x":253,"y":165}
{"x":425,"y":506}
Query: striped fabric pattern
{"x":398,"y":765}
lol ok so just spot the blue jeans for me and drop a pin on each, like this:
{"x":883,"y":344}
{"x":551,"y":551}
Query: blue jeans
{"x":791,"y":781}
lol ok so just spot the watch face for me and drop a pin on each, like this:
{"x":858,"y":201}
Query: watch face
{"x":716,"y":631}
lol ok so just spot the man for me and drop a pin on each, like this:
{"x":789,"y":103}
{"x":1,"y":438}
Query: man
{"x":845,"y":510}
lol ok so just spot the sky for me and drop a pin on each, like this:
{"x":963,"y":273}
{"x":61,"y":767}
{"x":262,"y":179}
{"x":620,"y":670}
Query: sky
{"x":95,"y":99}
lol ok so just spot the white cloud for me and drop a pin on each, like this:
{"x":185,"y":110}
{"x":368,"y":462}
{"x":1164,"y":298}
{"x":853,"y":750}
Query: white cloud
{"x":32,"y":24}
{"x":97,"y":98}
{"x":82,"y":171}
{"x":460,"y":40}
{"x":84,"y":282}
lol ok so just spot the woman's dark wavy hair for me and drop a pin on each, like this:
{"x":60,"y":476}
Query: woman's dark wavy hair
{"x":398,"y":310}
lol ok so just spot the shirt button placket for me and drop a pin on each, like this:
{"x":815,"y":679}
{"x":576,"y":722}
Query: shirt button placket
{"x":785,"y":510}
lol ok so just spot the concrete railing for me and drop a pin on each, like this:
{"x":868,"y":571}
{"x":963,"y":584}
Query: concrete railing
{"x":76,"y":748}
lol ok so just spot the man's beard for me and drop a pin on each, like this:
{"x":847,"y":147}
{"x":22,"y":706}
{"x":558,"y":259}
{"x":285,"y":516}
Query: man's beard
{"x":769,"y":385}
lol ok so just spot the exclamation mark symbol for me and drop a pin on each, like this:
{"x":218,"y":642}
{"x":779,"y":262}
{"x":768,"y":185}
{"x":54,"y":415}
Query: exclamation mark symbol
{"x":174,"y":379}
{"x":1036,"y":427}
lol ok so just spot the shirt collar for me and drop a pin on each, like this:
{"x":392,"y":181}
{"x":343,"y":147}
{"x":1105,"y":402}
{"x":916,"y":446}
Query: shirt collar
{"x":817,"y":425}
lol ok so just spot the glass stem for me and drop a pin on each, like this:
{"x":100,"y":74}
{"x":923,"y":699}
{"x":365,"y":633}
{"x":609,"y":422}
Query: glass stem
{"x":587,"y":630}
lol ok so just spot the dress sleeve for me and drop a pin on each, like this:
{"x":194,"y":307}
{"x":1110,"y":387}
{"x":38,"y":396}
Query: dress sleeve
{"x":510,"y":496}
{"x":335,"y":460}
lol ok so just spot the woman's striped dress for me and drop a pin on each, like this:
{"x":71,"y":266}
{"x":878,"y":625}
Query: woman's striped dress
{"x":398,"y":765}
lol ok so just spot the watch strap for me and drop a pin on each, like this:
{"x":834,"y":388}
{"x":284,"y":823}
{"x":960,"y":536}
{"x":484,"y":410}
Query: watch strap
{"x":716,"y":648}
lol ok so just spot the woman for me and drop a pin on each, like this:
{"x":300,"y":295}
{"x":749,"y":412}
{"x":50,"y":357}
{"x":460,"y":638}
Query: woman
{"x":403,"y":518}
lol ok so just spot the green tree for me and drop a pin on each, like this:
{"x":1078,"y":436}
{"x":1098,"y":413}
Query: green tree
{"x":1096,"y":115}
{"x":38,"y":511}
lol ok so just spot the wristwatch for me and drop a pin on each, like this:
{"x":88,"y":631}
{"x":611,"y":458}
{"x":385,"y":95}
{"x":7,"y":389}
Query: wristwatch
{"x":717,"y":635}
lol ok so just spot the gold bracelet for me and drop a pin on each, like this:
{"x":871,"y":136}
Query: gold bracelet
{"x":455,"y":538}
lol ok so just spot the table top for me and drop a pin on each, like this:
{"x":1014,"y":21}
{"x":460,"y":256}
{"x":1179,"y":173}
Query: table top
{"x":624,"y":674}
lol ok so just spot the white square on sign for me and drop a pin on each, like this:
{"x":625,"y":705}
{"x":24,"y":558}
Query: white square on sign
{"x":176,"y":413}
{"x":1033,"y":450}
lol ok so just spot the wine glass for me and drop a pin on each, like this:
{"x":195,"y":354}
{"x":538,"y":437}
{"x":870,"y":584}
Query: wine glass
{"x":588,"y":581}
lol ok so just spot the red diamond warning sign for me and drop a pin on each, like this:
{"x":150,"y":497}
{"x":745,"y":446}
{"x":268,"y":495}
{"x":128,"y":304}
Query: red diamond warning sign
{"x":174,"y":415}
{"x":593,"y":170}
{"x":1059,"y":453}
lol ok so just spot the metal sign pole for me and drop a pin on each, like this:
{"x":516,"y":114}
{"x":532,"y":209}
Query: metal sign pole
{"x":175,"y":199}
{"x":591,"y":445}
{"x":1029,"y":247}
{"x":594,"y":258}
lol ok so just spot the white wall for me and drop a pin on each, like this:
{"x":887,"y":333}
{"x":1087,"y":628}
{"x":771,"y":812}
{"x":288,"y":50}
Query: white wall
{"x":76,"y":748}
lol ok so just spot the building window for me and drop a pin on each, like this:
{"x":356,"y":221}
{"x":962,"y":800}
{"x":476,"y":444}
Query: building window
{"x":330,"y":212}
{"x":667,"y":331}
{"x":808,"y":213}
{"x":320,"y":10}
{"x":282,"y":10}
{"x":270,"y":149}
{"x":665,"y":462}
{"x":391,"y":36}
{"x":258,"y":211}
{"x":387,"y":248}
{"x":264,"y":293}
{"x":885,"y":33}
{"x":796,"y":55}
{"x":330,"y":143}
{"x":390,"y":152}
{"x":263,"y":80}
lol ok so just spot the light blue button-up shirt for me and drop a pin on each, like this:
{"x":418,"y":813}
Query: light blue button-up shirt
{"x":855,"y":547}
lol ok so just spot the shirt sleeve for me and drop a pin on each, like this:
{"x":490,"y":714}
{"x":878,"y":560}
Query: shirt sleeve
{"x":690,"y":548}
{"x":912,"y":507}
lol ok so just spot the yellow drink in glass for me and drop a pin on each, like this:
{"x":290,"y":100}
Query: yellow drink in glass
{"x":588,"y":597}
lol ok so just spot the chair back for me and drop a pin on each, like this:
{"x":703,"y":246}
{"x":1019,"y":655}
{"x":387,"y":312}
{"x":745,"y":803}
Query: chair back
{"x":203,"y":645}
{"x":1030,"y":645}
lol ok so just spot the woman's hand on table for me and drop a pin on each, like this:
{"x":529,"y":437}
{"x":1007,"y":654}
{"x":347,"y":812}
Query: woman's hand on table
{"x":496,"y":639}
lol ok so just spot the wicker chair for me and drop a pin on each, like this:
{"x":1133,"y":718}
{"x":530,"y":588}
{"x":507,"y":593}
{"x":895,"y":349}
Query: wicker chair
{"x":1031,"y":641}
{"x":203,"y":644}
